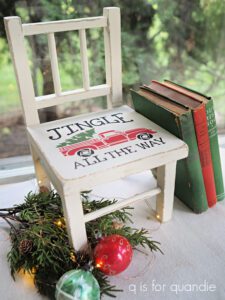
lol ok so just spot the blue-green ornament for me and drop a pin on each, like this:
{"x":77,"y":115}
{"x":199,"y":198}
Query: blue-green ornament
{"x":77,"y":285}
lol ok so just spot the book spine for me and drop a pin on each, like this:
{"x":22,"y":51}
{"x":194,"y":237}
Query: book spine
{"x":192,"y":164}
{"x":189,"y":186}
{"x":215,"y":153}
{"x":201,"y":130}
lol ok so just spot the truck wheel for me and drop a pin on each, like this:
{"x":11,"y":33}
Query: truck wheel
{"x":85,"y":152}
{"x":144,"y":136}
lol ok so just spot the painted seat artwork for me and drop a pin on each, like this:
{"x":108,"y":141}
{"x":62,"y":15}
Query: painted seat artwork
{"x":77,"y":153}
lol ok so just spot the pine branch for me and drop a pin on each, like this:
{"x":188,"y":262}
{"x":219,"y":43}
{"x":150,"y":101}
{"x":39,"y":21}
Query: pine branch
{"x":139,"y":237}
{"x":50,"y":254}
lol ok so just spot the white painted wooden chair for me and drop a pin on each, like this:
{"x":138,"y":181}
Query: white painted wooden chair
{"x":78,"y":153}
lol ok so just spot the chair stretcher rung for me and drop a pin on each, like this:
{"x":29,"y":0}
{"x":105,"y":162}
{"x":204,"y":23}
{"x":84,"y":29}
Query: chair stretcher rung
{"x":118,"y":205}
{"x":69,"y":96}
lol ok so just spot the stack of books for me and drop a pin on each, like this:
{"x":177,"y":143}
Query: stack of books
{"x":190,"y":116}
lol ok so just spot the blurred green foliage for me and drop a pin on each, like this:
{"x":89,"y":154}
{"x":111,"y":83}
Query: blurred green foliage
{"x":179,"y":40}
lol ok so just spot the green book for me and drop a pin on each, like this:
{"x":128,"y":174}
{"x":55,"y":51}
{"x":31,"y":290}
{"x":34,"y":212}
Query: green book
{"x":189,"y":186}
{"x":213,"y":136}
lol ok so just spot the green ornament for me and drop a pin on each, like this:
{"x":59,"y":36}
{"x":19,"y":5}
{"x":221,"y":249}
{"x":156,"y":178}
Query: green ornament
{"x":77,"y":285}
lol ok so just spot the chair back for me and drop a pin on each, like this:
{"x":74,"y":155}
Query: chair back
{"x":112,"y":88}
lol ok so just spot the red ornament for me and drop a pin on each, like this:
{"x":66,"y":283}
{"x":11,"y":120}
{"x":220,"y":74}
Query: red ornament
{"x":113,"y":254}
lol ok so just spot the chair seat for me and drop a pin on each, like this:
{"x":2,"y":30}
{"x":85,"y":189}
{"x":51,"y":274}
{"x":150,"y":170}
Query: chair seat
{"x":79,"y":146}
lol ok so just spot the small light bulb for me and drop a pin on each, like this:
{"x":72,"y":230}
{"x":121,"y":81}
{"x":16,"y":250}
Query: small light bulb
{"x":99,"y":264}
{"x":72,"y":256}
{"x":158,"y":217}
{"x":59,"y":223}
{"x":27,"y":278}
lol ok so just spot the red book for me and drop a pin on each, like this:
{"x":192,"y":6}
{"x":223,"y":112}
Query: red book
{"x":201,"y":131}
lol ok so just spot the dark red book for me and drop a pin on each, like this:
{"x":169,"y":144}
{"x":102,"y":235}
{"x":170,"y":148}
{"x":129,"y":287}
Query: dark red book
{"x":201,"y":130}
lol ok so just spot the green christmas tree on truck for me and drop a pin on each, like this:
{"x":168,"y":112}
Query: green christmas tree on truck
{"x":80,"y":137}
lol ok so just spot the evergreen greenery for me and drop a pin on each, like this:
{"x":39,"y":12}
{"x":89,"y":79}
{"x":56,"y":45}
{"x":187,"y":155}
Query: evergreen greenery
{"x":40,"y":242}
{"x":82,"y":136}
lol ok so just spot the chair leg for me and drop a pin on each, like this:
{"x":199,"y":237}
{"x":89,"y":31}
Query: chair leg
{"x":166,"y":181}
{"x":74,"y":216}
{"x":42,"y":178}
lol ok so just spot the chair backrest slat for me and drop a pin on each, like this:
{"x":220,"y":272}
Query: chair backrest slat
{"x":54,"y":63}
{"x":112,"y":89}
{"x":84,"y":59}
{"x":66,"y":25}
{"x":22,"y":70}
{"x":112,"y":40}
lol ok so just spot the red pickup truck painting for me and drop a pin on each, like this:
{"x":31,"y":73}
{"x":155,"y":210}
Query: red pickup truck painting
{"x":106,"y":139}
